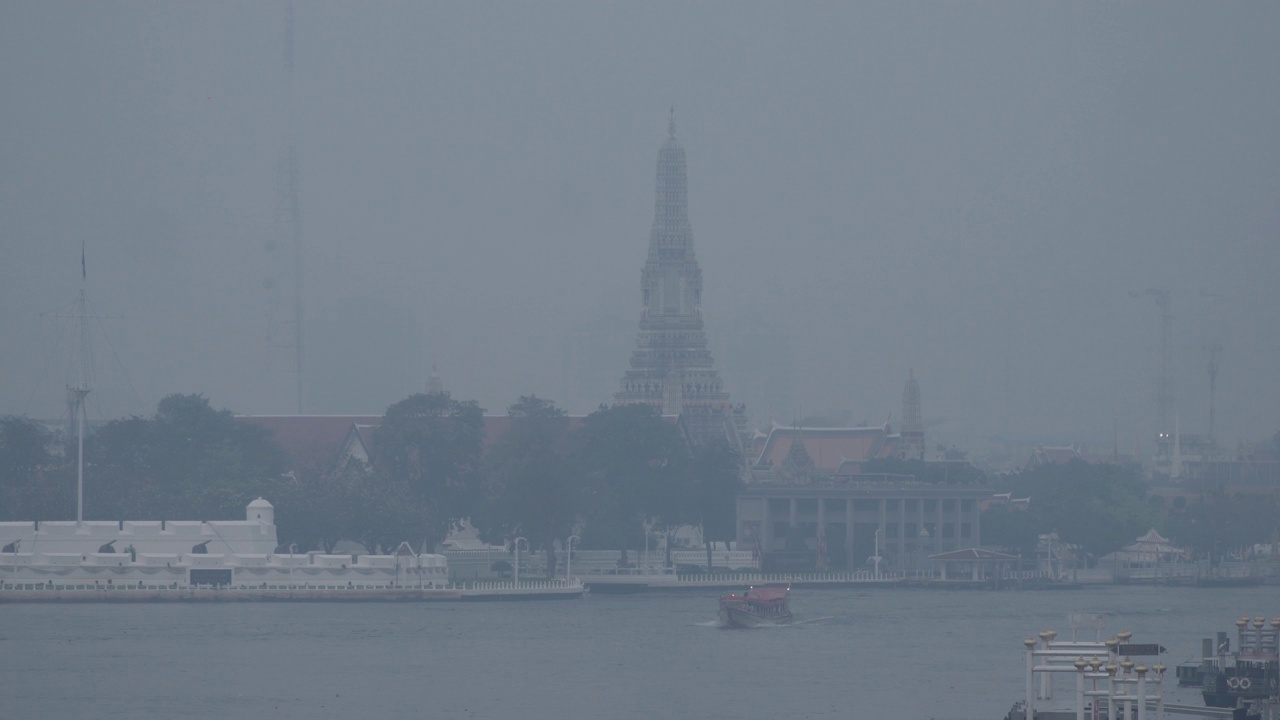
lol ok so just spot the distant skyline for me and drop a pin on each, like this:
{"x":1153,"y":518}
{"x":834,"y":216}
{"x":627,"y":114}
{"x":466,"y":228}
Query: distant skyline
{"x":971,"y":190}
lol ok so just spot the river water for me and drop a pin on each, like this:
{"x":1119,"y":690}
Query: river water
{"x":874,"y":654}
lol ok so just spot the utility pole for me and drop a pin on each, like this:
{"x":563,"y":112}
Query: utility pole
{"x":1164,"y":382}
{"x":1214,"y":349}
{"x":79,"y":390}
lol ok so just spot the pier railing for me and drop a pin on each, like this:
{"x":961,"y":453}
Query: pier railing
{"x":790,"y":578}
{"x":495,"y":585}
{"x":554,"y":584}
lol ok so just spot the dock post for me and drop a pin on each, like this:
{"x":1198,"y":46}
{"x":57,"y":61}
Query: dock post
{"x":1111,"y":689}
{"x":1159,"y":668}
{"x":1046,"y":679}
{"x":1080,"y":666}
{"x":1127,"y":666}
{"x":1142,"y":691}
{"x":1030,"y":644}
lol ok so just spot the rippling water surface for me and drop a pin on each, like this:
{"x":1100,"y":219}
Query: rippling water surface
{"x":874,"y":654}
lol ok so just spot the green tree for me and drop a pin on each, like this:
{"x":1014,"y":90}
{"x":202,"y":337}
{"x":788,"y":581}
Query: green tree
{"x":632,"y":465}
{"x":187,"y":461}
{"x":716,"y":480}
{"x":1101,"y":507}
{"x":1016,"y":531}
{"x":1218,"y":522}
{"x":428,"y":447}
{"x":532,"y":487}
{"x":34,"y":483}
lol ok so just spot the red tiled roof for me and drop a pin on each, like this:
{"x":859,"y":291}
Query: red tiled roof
{"x":313,"y":441}
{"x":310,"y":441}
{"x":827,"y":447}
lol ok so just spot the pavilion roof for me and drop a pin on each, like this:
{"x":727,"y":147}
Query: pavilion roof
{"x":972,"y":554}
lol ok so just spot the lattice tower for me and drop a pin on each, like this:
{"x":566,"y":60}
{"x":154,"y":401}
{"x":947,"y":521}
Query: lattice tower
{"x":283,"y":283}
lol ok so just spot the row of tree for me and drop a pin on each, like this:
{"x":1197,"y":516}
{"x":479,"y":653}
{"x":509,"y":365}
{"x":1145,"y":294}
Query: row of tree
{"x":604,"y":477}
{"x":548,"y":476}
{"x":1104,"y":507}
{"x":186,"y":461}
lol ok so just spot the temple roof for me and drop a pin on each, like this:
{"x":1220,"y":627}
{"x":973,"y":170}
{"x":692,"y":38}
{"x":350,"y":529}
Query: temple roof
{"x":974,"y":554}
{"x":828,"y":448}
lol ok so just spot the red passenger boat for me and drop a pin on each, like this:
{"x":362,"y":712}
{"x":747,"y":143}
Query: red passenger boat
{"x":756,"y":607}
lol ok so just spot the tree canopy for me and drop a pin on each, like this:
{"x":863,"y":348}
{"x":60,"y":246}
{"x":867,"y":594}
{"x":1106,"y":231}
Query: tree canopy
{"x":1219,"y":522}
{"x":634,"y":465}
{"x":427,"y":450}
{"x":1101,"y":507}
{"x":34,"y":482}
{"x":546,"y":477}
{"x":532,"y":486}
{"x":186,"y":461}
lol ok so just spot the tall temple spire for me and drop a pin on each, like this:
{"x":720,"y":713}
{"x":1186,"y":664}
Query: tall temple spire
{"x":671,"y":368}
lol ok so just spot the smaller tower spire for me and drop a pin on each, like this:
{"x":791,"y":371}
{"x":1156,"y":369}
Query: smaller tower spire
{"x":434,"y":383}
{"x":671,"y":125}
{"x":912,"y":432}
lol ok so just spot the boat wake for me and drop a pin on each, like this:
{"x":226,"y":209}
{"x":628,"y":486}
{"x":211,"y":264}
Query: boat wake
{"x":794,"y":623}
{"x":827,"y":619}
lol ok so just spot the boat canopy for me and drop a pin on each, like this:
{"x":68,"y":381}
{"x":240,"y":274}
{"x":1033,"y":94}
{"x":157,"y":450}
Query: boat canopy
{"x":767,"y":594}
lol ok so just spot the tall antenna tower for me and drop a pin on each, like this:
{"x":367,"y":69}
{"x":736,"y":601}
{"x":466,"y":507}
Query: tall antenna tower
{"x":1214,"y":349}
{"x":1164,"y":382}
{"x":284,"y":248}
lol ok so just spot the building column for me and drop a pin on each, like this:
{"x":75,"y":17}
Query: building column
{"x":822,"y":523}
{"x":766,"y":526}
{"x":881,"y":533}
{"x":922,"y":551}
{"x":902,"y":532}
{"x":848,"y":531}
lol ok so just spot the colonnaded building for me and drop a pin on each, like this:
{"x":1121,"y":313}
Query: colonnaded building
{"x":813,"y":503}
{"x":835,"y":526}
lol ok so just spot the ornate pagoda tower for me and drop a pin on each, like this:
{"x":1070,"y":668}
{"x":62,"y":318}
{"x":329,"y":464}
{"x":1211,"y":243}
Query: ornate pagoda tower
{"x":671,"y":368}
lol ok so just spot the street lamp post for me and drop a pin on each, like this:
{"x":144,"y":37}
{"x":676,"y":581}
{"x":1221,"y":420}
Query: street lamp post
{"x":568,"y":561}
{"x":14,"y":579}
{"x":645,"y":569}
{"x":517,"y":568}
{"x":924,"y":551}
{"x":293,"y":548}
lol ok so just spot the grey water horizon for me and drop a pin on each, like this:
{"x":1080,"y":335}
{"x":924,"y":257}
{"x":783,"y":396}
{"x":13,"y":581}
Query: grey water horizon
{"x":917,"y":654}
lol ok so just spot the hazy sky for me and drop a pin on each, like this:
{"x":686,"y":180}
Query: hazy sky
{"x":969,"y":189}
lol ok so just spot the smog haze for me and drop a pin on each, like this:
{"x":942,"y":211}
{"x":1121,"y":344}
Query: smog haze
{"x":981,"y":193}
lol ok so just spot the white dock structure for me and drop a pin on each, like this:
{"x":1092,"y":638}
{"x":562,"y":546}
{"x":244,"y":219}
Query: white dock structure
{"x":1109,"y":685}
{"x":231,"y":560}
